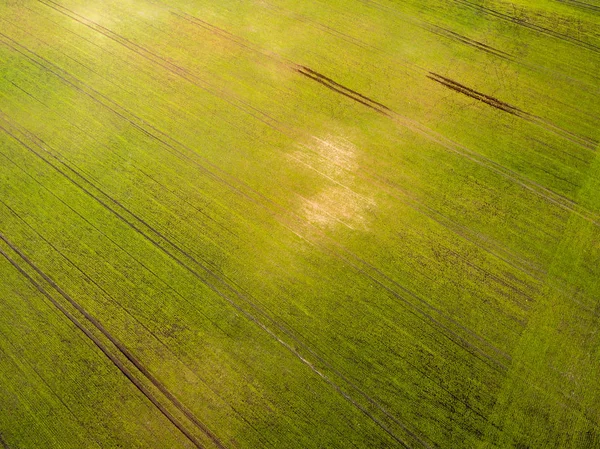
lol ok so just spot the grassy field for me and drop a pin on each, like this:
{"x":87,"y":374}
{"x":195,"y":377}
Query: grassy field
{"x":287,"y":224}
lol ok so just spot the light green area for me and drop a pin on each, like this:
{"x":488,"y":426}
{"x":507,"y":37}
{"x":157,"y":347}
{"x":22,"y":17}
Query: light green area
{"x":281,"y":262}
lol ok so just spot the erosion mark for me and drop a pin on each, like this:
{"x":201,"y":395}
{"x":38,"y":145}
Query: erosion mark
{"x":487,"y":99}
{"x":3,"y":443}
{"x":119,"y":364}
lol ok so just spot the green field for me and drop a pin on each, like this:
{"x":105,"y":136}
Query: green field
{"x":299,"y":224}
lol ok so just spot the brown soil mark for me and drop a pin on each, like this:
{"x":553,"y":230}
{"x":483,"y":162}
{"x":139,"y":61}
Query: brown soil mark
{"x":487,"y":99}
{"x":583,"y":141}
{"x":341,"y":89}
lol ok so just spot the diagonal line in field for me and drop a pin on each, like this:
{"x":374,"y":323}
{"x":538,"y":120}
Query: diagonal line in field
{"x":101,"y":346}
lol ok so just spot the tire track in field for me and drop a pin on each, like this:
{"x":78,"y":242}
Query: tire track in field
{"x":212,"y":285}
{"x":121,"y":347}
{"x":101,"y":346}
{"x":343,"y":90}
{"x":123,"y":308}
{"x":532,"y":26}
{"x":585,"y":142}
{"x":444,"y":32}
{"x":491,"y":101}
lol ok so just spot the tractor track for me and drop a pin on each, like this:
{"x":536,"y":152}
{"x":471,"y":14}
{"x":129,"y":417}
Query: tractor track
{"x":101,"y":346}
{"x":531,"y":26}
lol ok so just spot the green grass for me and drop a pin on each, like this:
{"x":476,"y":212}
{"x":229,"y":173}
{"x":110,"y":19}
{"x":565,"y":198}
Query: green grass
{"x":203,"y":247}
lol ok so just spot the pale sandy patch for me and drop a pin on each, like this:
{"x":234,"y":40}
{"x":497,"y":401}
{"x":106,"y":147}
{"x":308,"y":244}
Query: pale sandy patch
{"x":337,"y":204}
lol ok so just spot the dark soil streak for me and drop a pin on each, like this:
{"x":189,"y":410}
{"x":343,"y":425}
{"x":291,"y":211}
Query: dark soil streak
{"x":339,"y":91}
{"x":582,"y":141}
{"x":126,"y":372}
{"x":491,"y":101}
{"x":329,"y":80}
{"x":339,"y":88}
